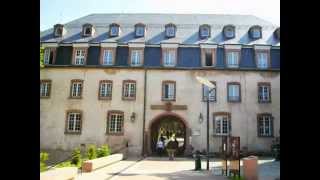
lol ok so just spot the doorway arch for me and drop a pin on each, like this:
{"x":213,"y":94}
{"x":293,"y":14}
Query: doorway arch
{"x":171,"y":124}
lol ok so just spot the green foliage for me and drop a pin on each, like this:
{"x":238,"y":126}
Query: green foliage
{"x":103,"y":151}
{"x":76,"y":157}
{"x":41,"y":57}
{"x":92,"y":152}
{"x":43,"y":158}
{"x":236,"y":178}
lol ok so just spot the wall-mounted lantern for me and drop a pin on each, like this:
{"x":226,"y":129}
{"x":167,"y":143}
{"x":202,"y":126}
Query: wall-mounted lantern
{"x":133,"y":117}
{"x":200,"y":118}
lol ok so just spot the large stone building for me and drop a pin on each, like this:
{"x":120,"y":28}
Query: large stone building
{"x":122,"y":78}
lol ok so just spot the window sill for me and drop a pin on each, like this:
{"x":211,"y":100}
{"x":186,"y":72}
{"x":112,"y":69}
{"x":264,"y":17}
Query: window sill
{"x":220,"y":135}
{"x":266,"y":136}
{"x":44,"y":97}
{"x":115,"y":134}
{"x":128,"y":99}
{"x":104,"y":98}
{"x":71,"y":97}
{"x":230,"y":101}
{"x":204,"y":100}
{"x":264,"y":102}
{"x":72,"y":133}
{"x":168,"y":99}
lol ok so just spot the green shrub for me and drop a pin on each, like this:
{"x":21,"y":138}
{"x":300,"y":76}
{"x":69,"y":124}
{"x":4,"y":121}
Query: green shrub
{"x":92,"y":152}
{"x":236,"y":178}
{"x":43,"y":158}
{"x":103,"y":151}
{"x":76,"y":157}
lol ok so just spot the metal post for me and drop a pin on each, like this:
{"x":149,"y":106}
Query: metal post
{"x":208,"y":130}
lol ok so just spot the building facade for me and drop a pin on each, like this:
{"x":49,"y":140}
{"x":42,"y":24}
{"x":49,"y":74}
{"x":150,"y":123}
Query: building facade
{"x":111,"y":78}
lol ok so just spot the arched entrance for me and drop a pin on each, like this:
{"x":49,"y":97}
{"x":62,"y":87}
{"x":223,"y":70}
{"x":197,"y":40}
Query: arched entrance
{"x":168,"y":125}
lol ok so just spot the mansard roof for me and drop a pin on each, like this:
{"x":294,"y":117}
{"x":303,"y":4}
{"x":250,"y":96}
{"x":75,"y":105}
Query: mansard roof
{"x":186,"y":33}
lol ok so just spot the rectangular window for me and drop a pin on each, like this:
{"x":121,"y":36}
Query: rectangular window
{"x":265,"y":125}
{"x":115,"y":123}
{"x":168,"y":91}
{"x":212,"y":94}
{"x":45,"y":87}
{"x":107,"y":57}
{"x":264,"y":92}
{"x":232,"y":59}
{"x":234,"y":92}
{"x":79,"y":57}
{"x":129,"y":90}
{"x":48,"y":56}
{"x":76,"y":88}
{"x":262,"y":60}
{"x":208,"y":58}
{"x":73,"y":122}
{"x":169,"y":57}
{"x":105,"y":89}
{"x":222,"y":125}
{"x":136,"y":57}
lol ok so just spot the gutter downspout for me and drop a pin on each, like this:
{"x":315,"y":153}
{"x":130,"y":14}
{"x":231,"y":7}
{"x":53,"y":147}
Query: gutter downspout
{"x":144,"y":113}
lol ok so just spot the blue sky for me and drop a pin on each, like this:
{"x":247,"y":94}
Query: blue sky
{"x":63,"y":11}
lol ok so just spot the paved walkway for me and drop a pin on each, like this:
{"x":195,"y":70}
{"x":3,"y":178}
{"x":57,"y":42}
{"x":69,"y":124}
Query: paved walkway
{"x":153,"y":168}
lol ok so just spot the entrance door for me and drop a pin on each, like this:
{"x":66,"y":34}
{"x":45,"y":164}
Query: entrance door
{"x":168,"y":127}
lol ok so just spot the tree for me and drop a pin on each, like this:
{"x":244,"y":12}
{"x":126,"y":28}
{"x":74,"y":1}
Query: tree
{"x":41,"y":57}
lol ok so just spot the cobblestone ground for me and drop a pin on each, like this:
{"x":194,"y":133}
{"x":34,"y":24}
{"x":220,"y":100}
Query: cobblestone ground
{"x":153,"y":168}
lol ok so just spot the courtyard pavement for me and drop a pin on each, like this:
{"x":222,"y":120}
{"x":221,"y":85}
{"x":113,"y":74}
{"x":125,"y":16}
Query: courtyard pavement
{"x":155,"y":168}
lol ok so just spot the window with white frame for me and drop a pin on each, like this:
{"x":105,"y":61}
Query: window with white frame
{"x":222,"y":125}
{"x":129,"y":90}
{"x":205,"y":31}
{"x":264,"y":92}
{"x":232,"y":59}
{"x":168,"y":90}
{"x":115,"y":123}
{"x":212,"y":94}
{"x":136,"y":57}
{"x":107,"y":57}
{"x":80,"y":56}
{"x":229,"y":31}
{"x":74,"y":122}
{"x":262,"y":60}
{"x":45,"y":86}
{"x":265,"y":125}
{"x":170,"y":31}
{"x":105,"y":90}
{"x":256,"y":32}
{"x":76,"y":88}
{"x":48,"y":56}
{"x":169,"y":57}
{"x":140,"y":30}
{"x":233,"y":92}
{"x":114,"y":30}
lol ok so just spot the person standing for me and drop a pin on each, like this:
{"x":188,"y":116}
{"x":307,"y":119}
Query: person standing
{"x":171,"y":149}
{"x":160,"y":147}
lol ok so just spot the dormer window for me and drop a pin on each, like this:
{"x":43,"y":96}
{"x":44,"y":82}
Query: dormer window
{"x":139,"y":30}
{"x":87,"y":30}
{"x":114,"y":30}
{"x":229,"y":31}
{"x":277,"y":33}
{"x":58,"y":30}
{"x":204,"y":31}
{"x":255,"y":32}
{"x":170,"y":30}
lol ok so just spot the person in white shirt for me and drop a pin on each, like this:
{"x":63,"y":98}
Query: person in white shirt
{"x":160,"y":147}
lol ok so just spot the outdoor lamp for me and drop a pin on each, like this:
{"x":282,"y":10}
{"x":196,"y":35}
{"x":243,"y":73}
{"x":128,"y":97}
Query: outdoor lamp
{"x":210,"y":86}
{"x":200,"y":118}
{"x":133,"y":117}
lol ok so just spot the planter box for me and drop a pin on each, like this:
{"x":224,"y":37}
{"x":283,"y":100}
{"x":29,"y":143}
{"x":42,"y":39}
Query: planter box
{"x":66,"y":173}
{"x":93,"y":164}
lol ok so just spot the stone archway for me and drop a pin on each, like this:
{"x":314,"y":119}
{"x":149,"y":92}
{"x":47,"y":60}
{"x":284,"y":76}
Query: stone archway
{"x":154,"y":124}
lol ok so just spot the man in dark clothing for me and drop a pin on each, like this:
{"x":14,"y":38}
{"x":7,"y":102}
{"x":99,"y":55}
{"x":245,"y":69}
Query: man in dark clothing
{"x":176,"y":145}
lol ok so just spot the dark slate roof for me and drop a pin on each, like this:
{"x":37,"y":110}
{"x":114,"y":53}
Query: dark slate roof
{"x":187,"y":29}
